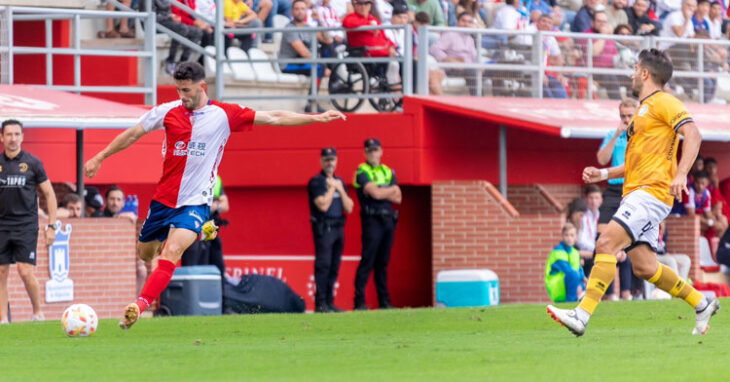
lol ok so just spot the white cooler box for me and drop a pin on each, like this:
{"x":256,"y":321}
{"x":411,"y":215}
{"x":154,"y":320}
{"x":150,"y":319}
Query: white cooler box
{"x":467,"y":287}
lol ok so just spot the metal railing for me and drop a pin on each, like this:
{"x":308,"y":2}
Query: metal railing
{"x":315,"y":60}
{"x":8,"y":50}
{"x":698,"y":63}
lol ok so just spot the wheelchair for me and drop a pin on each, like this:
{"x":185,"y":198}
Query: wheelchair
{"x":359,"y":79}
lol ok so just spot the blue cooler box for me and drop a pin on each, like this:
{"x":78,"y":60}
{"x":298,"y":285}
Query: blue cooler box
{"x":193,"y":291}
{"x":467,"y":287}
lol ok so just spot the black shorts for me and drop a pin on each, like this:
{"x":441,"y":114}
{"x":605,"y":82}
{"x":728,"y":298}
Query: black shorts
{"x":18,"y":246}
{"x":611,"y":201}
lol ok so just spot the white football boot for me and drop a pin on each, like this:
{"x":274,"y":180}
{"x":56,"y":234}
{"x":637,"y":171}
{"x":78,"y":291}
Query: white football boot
{"x":569,"y":319}
{"x":702,"y":319}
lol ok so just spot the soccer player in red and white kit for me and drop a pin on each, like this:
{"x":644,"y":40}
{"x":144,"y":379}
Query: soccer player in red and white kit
{"x":196,"y":131}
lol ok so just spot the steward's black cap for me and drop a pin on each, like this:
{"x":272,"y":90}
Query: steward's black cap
{"x":372,"y":143}
{"x":329,"y":152}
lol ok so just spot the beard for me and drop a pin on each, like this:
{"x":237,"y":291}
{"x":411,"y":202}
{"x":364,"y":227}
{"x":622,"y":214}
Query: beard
{"x":636,"y":90}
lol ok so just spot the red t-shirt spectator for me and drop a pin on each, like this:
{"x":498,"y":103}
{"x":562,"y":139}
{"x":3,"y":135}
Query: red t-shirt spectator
{"x":375,"y":41}
{"x":185,"y":17}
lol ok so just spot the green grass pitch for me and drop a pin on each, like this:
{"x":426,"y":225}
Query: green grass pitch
{"x":625,"y":341}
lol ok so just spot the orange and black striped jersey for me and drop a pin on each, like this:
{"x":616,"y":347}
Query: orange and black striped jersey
{"x":651,"y":154}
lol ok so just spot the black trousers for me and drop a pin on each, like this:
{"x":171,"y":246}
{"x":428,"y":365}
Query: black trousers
{"x":188,"y":31}
{"x":377,"y":239}
{"x":329,"y":239}
{"x":205,"y":253}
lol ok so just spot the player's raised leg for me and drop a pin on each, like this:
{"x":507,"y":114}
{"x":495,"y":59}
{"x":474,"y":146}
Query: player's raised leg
{"x":646,"y":266}
{"x":178,"y":240}
{"x":612,"y":240}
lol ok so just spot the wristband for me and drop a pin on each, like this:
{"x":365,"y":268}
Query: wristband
{"x":50,"y":226}
{"x":604,"y":174}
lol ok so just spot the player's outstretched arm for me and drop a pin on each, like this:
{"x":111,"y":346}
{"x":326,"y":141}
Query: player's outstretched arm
{"x":121,"y":142}
{"x":595,"y":175}
{"x":690,"y":149}
{"x":288,"y":118}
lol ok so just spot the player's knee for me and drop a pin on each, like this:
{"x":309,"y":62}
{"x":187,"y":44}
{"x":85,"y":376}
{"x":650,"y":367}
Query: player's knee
{"x":604,"y":245}
{"x":25,"y":271}
{"x":644,"y":270}
{"x":4,"y":270}
{"x":145,"y":252}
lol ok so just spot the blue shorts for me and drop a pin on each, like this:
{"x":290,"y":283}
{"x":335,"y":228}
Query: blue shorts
{"x":161,"y":218}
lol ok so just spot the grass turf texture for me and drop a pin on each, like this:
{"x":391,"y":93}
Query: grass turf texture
{"x":625,"y":341}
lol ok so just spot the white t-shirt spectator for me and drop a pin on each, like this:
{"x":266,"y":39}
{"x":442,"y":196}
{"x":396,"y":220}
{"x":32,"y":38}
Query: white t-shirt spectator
{"x":667,"y":6}
{"x":328,"y":18}
{"x":385,"y":10}
{"x":588,"y":229}
{"x":715,"y":28}
{"x":509,"y":18}
{"x":675,"y":19}
{"x":340,"y":7}
{"x":550,"y":48}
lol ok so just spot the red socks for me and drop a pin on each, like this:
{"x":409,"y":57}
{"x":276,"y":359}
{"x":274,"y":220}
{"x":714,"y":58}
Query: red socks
{"x":156,"y":283}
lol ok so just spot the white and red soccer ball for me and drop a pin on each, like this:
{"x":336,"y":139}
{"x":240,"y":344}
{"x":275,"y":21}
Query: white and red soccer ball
{"x":79,"y":320}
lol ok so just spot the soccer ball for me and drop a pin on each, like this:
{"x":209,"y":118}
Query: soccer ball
{"x":79,"y":320}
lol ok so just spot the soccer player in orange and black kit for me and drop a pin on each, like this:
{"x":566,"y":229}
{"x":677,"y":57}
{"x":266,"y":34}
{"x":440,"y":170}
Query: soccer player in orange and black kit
{"x":652,"y":181}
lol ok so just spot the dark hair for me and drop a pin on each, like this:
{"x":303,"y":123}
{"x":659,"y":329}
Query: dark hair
{"x":658,"y":64}
{"x":703,"y":1}
{"x":623,"y":26}
{"x":297,"y":1}
{"x":189,"y":70}
{"x":112,"y":189}
{"x":509,"y":2}
{"x":423,"y":18}
{"x":465,"y":13}
{"x":71,"y":198}
{"x":701,"y":174}
{"x":576,"y":205}
{"x":709,"y":160}
{"x":590,"y":189}
{"x":715,"y":3}
{"x":9,"y":122}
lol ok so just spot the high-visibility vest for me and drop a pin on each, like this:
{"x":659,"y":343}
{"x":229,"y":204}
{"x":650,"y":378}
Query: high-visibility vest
{"x":380,"y":175}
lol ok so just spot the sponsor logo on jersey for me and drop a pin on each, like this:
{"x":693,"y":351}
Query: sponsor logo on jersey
{"x":193,"y":149}
{"x":23,"y":167}
{"x":15,"y":181}
{"x":643,"y":109}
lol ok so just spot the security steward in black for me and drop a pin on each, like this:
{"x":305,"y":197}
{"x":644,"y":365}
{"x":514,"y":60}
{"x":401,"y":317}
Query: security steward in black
{"x":328,"y":206}
{"x":377,"y":190}
{"x":21,"y":174}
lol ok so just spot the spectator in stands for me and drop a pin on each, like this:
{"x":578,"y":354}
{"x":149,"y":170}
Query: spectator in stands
{"x":720,"y":207}
{"x":588,"y":230}
{"x":238,"y":15}
{"x":543,"y":6}
{"x":640,"y":21}
{"x":328,"y":17}
{"x":71,"y":206}
{"x":700,"y":18}
{"x":662,"y":8}
{"x":111,"y":32}
{"x":699,"y":201}
{"x":114,"y":203}
{"x":374,"y":43}
{"x":510,"y":18}
{"x":192,"y":20}
{"x":205,"y":8}
{"x":167,"y":19}
{"x":296,"y":43}
{"x":575,"y":211}
{"x":449,"y":7}
{"x":430,"y":7}
{"x":616,"y":13}
{"x":564,"y":277}
{"x":604,"y":52}
{"x":678,"y":24}
{"x":471,"y":7}
{"x":553,"y":83}
{"x":715,"y":20}
{"x":93,"y":202}
{"x":584,"y":17}
{"x":458,"y":47}
{"x":264,"y":10}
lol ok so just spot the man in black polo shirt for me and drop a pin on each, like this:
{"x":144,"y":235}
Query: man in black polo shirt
{"x":328,"y":204}
{"x":20,"y":176}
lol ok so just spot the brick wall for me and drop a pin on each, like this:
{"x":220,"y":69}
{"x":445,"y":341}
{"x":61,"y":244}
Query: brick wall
{"x":564,"y":193}
{"x":474,"y":227}
{"x":102,"y":267}
{"x":683,"y":237}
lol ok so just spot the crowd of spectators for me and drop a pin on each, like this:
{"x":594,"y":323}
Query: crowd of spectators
{"x":686,"y":19}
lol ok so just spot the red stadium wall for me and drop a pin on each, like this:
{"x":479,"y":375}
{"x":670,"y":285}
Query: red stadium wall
{"x":101,"y":265}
